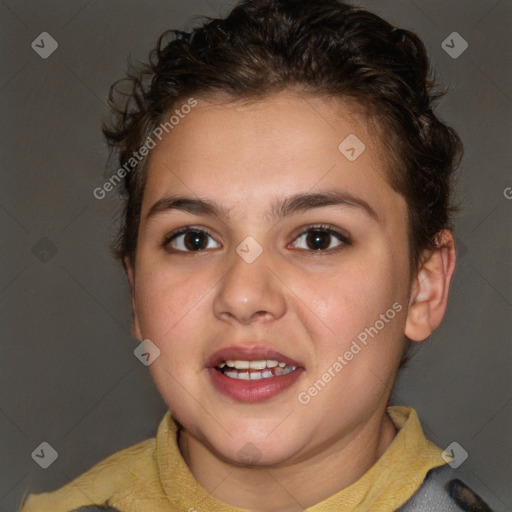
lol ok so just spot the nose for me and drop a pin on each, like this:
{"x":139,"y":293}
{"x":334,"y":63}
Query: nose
{"x":250,"y":292}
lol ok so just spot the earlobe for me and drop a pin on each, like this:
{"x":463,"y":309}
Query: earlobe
{"x":130,"y":274}
{"x":430,"y":289}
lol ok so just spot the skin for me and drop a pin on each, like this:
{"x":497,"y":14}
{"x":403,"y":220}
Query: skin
{"x":307,"y":304}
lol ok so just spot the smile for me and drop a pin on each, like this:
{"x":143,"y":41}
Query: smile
{"x":252,"y":373}
{"x":254,"y":370}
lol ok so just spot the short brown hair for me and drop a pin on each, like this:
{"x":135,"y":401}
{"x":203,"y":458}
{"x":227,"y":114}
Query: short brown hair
{"x":323,"y":47}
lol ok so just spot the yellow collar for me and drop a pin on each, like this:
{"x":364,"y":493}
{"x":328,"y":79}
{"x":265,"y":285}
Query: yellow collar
{"x":387,"y":485}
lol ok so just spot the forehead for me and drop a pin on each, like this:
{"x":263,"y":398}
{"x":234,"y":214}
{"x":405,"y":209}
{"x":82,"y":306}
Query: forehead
{"x":246,"y":153}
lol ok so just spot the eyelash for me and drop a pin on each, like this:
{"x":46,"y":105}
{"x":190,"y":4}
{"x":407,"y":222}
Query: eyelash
{"x":325,"y":228}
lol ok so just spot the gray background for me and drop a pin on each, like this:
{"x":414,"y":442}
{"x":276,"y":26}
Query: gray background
{"x":68,"y":374}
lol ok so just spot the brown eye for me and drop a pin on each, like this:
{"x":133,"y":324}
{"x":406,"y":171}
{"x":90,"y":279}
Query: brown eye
{"x":195,"y":241}
{"x":320,"y":239}
{"x":190,"y":240}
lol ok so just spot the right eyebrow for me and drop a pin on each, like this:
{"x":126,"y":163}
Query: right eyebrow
{"x":188,"y":205}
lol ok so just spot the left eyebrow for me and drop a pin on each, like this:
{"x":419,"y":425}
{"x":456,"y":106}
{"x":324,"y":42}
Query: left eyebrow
{"x":303,"y":202}
{"x":294,"y":204}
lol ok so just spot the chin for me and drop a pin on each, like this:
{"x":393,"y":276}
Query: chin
{"x":263,"y":452}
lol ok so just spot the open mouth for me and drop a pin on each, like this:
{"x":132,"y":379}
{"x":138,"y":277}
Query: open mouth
{"x":254,"y":370}
{"x":252,"y":373}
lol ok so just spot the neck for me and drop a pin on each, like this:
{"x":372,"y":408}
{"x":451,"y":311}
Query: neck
{"x":292,"y":487}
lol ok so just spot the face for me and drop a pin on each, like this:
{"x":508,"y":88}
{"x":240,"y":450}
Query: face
{"x":272,"y":272}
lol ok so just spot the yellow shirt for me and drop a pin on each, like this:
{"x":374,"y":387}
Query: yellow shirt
{"x":153,"y":477}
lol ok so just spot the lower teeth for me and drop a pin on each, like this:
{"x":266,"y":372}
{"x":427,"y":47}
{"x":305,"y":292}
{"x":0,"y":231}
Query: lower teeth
{"x":256,"y":375}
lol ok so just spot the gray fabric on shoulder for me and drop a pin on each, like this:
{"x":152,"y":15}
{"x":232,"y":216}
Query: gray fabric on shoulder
{"x":442,"y":491}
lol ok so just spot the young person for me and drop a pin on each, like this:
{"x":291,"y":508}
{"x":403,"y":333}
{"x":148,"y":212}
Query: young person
{"x":287,"y":237}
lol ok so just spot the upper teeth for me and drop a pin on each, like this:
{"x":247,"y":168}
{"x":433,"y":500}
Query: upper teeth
{"x":253,"y":365}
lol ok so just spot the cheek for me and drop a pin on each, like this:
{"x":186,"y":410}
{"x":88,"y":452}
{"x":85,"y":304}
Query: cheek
{"x":363,"y":309}
{"x":352,"y":293}
{"x":364,"y":298}
{"x":170,"y":303}
{"x":172,"y":309}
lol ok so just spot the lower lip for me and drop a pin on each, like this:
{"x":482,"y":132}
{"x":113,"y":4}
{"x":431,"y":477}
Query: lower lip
{"x":253,"y":390}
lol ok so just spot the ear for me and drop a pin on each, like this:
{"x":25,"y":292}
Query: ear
{"x":430,"y":288}
{"x":130,"y":274}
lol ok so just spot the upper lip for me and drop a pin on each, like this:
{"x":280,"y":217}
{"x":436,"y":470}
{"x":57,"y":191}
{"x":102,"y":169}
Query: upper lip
{"x":249,"y":353}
